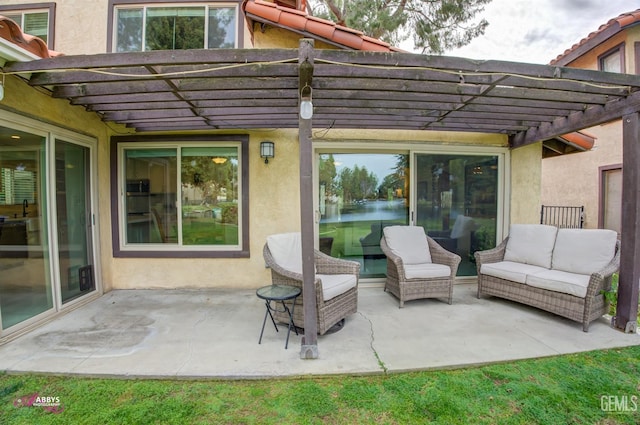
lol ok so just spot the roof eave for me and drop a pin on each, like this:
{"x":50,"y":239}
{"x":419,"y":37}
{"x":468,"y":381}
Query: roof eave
{"x":591,"y":43}
{"x":11,"y":52}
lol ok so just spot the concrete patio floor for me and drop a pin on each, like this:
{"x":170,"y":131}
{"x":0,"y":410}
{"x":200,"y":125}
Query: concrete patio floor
{"x":214,"y":334}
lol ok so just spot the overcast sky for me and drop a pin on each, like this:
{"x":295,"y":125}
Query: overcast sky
{"x":536,"y":31}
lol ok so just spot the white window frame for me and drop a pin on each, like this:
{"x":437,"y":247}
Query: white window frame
{"x":31,"y":11}
{"x":146,"y":6}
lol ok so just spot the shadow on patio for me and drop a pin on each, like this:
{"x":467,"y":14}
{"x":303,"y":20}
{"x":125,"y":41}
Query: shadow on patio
{"x":214,"y":333}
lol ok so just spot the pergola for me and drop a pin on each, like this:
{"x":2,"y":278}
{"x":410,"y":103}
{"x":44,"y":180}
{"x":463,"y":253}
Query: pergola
{"x":184,"y":90}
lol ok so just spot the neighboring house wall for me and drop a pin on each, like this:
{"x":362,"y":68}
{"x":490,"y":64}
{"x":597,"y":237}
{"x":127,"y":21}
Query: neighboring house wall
{"x":576,"y":179}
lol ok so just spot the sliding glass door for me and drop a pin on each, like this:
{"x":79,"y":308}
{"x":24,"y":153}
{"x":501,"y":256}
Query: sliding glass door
{"x":457,"y":203}
{"x":454,"y":196}
{"x":46,"y":221}
{"x":360,"y":194}
{"x":25,"y":279}
{"x":74,"y":221}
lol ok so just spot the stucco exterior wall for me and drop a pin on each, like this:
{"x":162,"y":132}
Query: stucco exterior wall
{"x":526,"y":184}
{"x":278,"y":38}
{"x":574,"y":180}
{"x":274,"y":193}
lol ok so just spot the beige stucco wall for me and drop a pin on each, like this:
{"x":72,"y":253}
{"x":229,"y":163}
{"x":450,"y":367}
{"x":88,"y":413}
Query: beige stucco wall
{"x":574,"y":180}
{"x":525,"y":184}
{"x":274,"y":193}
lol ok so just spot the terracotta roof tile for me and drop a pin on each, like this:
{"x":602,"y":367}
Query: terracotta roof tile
{"x":616,"y":24}
{"x":320,"y":29}
{"x":10,"y":31}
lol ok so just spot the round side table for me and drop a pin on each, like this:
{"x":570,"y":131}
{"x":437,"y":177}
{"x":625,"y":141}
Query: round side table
{"x":275,"y":294}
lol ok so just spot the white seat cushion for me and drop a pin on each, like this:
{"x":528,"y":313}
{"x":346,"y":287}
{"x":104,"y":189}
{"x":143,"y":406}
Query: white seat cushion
{"x":584,"y":251}
{"x":426,"y":271}
{"x":508,"y":270}
{"x":336,"y":284}
{"x":409,"y":243}
{"x":531,"y":244}
{"x":286,"y":249}
{"x":555,"y":280}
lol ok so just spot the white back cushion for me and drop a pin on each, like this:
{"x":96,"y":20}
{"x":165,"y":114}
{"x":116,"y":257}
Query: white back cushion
{"x":531,"y":244}
{"x":286,"y":249}
{"x":583,"y":251}
{"x":409,"y":243}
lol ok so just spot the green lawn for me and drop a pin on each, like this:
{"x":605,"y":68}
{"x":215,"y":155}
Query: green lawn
{"x":600,"y":387}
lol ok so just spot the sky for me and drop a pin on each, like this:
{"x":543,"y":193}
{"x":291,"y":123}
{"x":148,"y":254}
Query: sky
{"x":536,"y":31}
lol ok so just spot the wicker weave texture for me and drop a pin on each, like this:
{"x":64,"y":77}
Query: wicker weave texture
{"x":412,"y":289}
{"x":329,"y":312}
{"x":582,"y":310}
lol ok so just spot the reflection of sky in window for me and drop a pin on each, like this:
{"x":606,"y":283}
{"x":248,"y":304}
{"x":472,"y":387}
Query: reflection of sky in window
{"x":380,"y":164}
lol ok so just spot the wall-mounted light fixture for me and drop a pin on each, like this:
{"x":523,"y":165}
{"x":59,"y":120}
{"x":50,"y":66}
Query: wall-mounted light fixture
{"x":267,"y":150}
{"x":306,"y":104}
{"x":219,"y":159}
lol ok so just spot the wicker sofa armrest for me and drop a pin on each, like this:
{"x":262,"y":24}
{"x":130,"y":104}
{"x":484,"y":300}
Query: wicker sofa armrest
{"x":492,"y":255}
{"x":601,"y":280}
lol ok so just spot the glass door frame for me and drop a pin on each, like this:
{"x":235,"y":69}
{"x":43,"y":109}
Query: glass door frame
{"x":94,"y":246}
{"x":51,"y":134}
{"x":412,"y":150}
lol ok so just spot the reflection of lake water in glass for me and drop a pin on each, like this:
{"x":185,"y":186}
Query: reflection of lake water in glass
{"x":366,"y":211}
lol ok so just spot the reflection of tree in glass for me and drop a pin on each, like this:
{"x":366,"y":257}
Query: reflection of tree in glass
{"x":170,"y":30}
{"x":212,"y":179}
{"x":357,"y":184}
{"x":327,"y":174}
{"x":129,"y":30}
{"x":221,"y":28}
{"x":395,"y":182}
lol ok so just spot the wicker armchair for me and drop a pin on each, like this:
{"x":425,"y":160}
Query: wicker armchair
{"x":332,"y":305}
{"x":431,"y":280}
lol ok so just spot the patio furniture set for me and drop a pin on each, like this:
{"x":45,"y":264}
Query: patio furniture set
{"x":562,"y":271}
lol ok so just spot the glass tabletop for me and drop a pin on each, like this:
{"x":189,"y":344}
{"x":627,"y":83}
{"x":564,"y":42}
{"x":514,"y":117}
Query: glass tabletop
{"x":278,"y":292}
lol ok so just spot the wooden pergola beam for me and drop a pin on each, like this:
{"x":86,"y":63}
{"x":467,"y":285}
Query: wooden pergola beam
{"x":629,"y":278}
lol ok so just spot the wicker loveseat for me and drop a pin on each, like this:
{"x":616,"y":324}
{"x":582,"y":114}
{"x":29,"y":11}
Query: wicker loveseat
{"x":563,"y":271}
{"x":336,"y":283}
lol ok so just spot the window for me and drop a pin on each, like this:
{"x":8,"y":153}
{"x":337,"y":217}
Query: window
{"x":613,"y":60}
{"x":33,"y":19}
{"x":182,"y":197}
{"x":171,"y":26}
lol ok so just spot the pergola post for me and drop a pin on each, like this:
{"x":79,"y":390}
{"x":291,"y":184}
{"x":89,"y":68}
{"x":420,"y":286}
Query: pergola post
{"x":629,"y":279}
{"x":309,"y":349}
